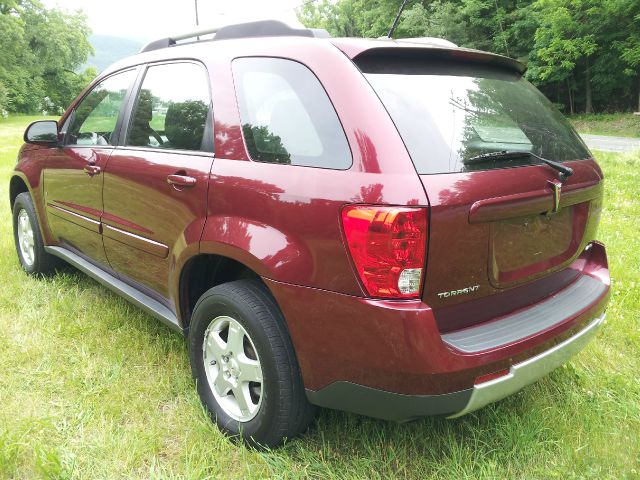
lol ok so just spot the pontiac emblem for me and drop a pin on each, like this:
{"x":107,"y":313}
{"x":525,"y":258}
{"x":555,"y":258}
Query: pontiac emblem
{"x":556,"y":188}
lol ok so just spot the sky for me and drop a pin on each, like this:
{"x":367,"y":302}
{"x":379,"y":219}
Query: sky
{"x":150,"y":19}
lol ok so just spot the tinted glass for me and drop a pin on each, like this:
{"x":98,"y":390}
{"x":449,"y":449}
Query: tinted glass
{"x":448,"y":114}
{"x":172,"y":109}
{"x":286,"y":115}
{"x":95,"y":118}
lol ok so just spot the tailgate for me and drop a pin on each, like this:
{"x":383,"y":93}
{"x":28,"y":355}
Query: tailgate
{"x":498,"y":229}
{"x":498,"y":223}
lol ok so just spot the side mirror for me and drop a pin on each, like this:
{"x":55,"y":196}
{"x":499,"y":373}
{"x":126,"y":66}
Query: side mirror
{"x":42,"y":132}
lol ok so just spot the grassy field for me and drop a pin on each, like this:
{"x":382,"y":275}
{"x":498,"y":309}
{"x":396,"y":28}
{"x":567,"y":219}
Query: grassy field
{"x":614,"y":124}
{"x":91,"y":387}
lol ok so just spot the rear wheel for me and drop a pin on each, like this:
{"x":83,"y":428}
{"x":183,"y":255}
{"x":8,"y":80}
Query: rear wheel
{"x":245,"y":367}
{"x":28,"y":239}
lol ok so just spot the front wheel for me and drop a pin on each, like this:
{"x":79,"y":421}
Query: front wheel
{"x":245,"y":367}
{"x":28,"y":239}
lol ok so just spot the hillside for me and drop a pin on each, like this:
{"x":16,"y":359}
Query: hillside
{"x":109,"y":49}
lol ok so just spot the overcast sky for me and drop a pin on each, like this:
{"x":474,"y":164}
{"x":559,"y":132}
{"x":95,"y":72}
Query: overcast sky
{"x":149,"y":19}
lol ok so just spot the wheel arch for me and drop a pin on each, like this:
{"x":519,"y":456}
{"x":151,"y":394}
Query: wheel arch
{"x":17,"y":185}
{"x":232,"y":248}
{"x":265,"y":249}
{"x":204,"y":271}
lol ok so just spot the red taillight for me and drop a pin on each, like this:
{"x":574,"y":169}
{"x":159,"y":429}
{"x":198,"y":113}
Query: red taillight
{"x":388,"y":247}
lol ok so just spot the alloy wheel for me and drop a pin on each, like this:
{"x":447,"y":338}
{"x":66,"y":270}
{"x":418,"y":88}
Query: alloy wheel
{"x":233,"y":369}
{"x":26,"y":238}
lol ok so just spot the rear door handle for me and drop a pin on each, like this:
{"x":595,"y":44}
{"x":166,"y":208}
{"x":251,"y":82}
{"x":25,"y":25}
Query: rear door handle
{"x":181,"y":180}
{"x":92,"y":170}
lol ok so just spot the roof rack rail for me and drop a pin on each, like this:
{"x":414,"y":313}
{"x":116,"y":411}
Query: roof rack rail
{"x":262,"y":28}
{"x":432,"y":41}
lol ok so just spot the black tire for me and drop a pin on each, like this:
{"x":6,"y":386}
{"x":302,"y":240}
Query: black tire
{"x":284,"y":411}
{"x":42,"y":263}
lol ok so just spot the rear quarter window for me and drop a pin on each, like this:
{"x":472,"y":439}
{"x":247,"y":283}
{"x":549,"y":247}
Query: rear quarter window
{"x":286,"y":115}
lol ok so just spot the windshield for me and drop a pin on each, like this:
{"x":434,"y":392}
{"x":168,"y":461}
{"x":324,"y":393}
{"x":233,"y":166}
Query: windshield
{"x":447,"y":114}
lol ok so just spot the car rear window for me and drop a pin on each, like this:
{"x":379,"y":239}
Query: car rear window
{"x":287,"y":116}
{"x":448,"y":113}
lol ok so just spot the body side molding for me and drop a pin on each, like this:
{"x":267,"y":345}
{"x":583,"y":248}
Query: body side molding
{"x":136,"y":297}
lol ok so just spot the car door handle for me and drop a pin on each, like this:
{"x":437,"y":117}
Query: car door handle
{"x":92,"y":170}
{"x":181,"y":180}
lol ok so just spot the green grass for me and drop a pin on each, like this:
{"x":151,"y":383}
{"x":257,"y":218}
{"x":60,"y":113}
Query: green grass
{"x":613,"y":124}
{"x":91,"y":387}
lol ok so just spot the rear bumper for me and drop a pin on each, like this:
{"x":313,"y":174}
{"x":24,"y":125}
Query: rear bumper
{"x":527,"y":372}
{"x":393,"y":406}
{"x":388,"y":359}
{"x":567,"y":303}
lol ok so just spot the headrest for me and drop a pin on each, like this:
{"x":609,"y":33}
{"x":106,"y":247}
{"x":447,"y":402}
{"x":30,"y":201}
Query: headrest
{"x":184,"y":124}
{"x":144,"y":112}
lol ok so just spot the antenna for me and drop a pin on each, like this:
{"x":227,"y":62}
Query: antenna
{"x":397,"y":19}
{"x":197,"y":19}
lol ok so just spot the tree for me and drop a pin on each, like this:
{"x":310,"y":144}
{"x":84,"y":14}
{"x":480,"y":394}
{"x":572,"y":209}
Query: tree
{"x":580,"y":53}
{"x":503,"y":26}
{"x":349,"y":18}
{"x":629,"y":47}
{"x":42,"y":52}
{"x":589,"y":43}
{"x":565,"y":38}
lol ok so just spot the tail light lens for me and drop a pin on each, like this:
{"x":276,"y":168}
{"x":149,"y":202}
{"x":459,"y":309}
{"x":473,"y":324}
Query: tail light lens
{"x":388,"y":248}
{"x":491,"y":376}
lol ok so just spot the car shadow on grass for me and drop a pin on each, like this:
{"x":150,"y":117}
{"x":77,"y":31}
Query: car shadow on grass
{"x":514,"y":437}
{"x":500,"y":440}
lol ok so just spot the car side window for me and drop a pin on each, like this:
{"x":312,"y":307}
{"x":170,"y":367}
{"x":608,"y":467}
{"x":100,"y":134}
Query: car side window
{"x":172,"y":109}
{"x":95,"y":118}
{"x":287,"y":116}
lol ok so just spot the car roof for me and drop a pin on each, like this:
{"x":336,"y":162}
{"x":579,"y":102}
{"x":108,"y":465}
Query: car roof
{"x":282,"y":37}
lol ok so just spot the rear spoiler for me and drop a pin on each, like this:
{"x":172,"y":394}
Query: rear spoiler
{"x":371,"y":59}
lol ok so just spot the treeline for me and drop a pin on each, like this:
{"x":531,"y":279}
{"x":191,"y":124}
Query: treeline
{"x":41,"y":51}
{"x":583,"y":54}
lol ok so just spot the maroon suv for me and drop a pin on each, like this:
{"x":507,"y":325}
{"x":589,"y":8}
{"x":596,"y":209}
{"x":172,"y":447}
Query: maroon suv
{"x":392,"y":228}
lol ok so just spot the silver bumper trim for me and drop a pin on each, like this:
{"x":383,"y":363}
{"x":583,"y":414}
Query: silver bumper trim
{"x":527,"y":372}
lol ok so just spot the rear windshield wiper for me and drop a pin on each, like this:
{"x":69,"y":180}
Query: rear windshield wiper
{"x":565,"y":172}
